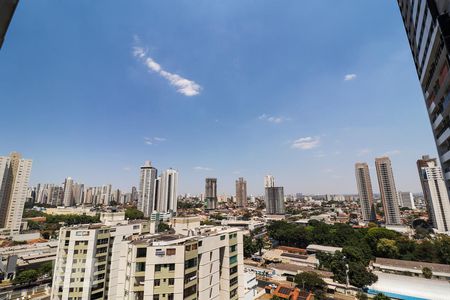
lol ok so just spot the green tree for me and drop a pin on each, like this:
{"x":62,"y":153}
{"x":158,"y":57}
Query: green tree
{"x":249,"y":246}
{"x":362,"y":296}
{"x":132,"y":213}
{"x":311,"y":281}
{"x":259,"y":245}
{"x":26,"y":276}
{"x":387,"y":248}
{"x":381,"y":296}
{"x":427,"y":273}
{"x":359,"y":276}
{"x":163,"y":227}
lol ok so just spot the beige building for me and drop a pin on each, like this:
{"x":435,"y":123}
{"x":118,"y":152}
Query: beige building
{"x":388,"y":191}
{"x":241,"y":192}
{"x":14,"y":176}
{"x":365,"y":191}
{"x":122,"y":262}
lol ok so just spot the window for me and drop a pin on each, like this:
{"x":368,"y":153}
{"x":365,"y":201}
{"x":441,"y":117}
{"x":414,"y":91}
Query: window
{"x":140,"y":266}
{"x":157,"y":282}
{"x":157,"y":268}
{"x":190,"y":263}
{"x":141,"y":252}
{"x":171,"y":281}
{"x":170,"y":296}
{"x":188,"y":247}
{"x":200,"y":243}
{"x":171,"y":251}
{"x":190,"y":291}
{"x":233,"y":281}
{"x":233,"y":259}
{"x":233,"y":248}
{"x":171,"y":267}
{"x":222,"y":237}
{"x":233,"y":270}
{"x":190,"y":276}
{"x":233,"y":293}
{"x":155,"y":297}
{"x":194,"y":247}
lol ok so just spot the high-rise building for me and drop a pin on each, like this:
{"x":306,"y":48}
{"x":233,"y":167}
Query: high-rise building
{"x":275,"y":201}
{"x":241,"y":192}
{"x":166,"y":189}
{"x":211,"y":193}
{"x":388,"y":191}
{"x":14,"y":176}
{"x":406,"y":199}
{"x":427,"y":25}
{"x":7,"y":8}
{"x":269,"y":181}
{"x":435,"y":193}
{"x":107,"y":262}
{"x":365,"y":192}
{"x":147,"y":188}
{"x":68,"y":192}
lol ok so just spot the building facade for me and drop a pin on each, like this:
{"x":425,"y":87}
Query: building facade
{"x":166,"y":191}
{"x":241,"y":192}
{"x":427,"y":25}
{"x":435,"y":193}
{"x":147,"y":188}
{"x":388,"y":191}
{"x":274,"y":197}
{"x":269,"y":181}
{"x":365,"y":192}
{"x":122,"y":262}
{"x":406,"y":199}
{"x":211,"y":193}
{"x":14,"y":176}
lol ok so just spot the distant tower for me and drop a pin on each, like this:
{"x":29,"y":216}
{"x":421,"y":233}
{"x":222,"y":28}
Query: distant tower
{"x":388,"y":191}
{"x":435,"y":193}
{"x":269,"y":181}
{"x":275,"y":201}
{"x":241,"y":192}
{"x":365,"y":191}
{"x":146,"y":188}
{"x":211,"y":193}
{"x":68,"y":192}
{"x":166,"y":188}
{"x":14,"y":176}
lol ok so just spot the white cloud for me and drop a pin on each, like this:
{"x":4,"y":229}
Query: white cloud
{"x":364,"y":152}
{"x":272,"y":119}
{"x":392,"y":152}
{"x":306,"y":143}
{"x":154,"y":140}
{"x":126,"y":169}
{"x":349,"y":77}
{"x":184,"y":86}
{"x":199,"y":168}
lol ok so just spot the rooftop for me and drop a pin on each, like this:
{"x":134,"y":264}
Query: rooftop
{"x":414,"y":265}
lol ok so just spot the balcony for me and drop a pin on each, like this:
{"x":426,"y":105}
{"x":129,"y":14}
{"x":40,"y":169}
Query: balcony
{"x":443,"y":137}
{"x":431,"y":108}
{"x":445,"y":157}
{"x":437,"y":122}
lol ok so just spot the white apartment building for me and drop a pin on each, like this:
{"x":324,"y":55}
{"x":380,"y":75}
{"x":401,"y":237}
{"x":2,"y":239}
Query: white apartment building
{"x":147,"y":188}
{"x":166,"y":189}
{"x":118,"y":262}
{"x":435,"y":193}
{"x":388,"y":192}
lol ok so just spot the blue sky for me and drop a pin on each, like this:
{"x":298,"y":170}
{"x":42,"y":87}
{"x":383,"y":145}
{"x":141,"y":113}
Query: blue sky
{"x":298,"y":89}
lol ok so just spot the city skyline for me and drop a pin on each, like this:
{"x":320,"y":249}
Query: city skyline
{"x":273,"y":69}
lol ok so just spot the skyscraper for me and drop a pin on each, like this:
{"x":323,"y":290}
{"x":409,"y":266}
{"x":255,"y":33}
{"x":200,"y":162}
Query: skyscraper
{"x":14,"y":176}
{"x":211,"y":193}
{"x":241,"y":192}
{"x":388,"y":191}
{"x":269,"y":181}
{"x":147,"y":188}
{"x":434,"y":191}
{"x":274,"y":201}
{"x":406,"y":199}
{"x":166,"y":189}
{"x":7,"y":8}
{"x":365,"y":191}
{"x":427,"y":25}
{"x":68,"y":192}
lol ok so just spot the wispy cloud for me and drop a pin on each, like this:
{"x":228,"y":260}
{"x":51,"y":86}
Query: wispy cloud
{"x":364,"y":152}
{"x":199,"y":168}
{"x":183,"y":85}
{"x":349,"y":77}
{"x":306,"y":143}
{"x":392,"y":152}
{"x":154,"y":140}
{"x":272,"y":119}
{"x":126,"y":169}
